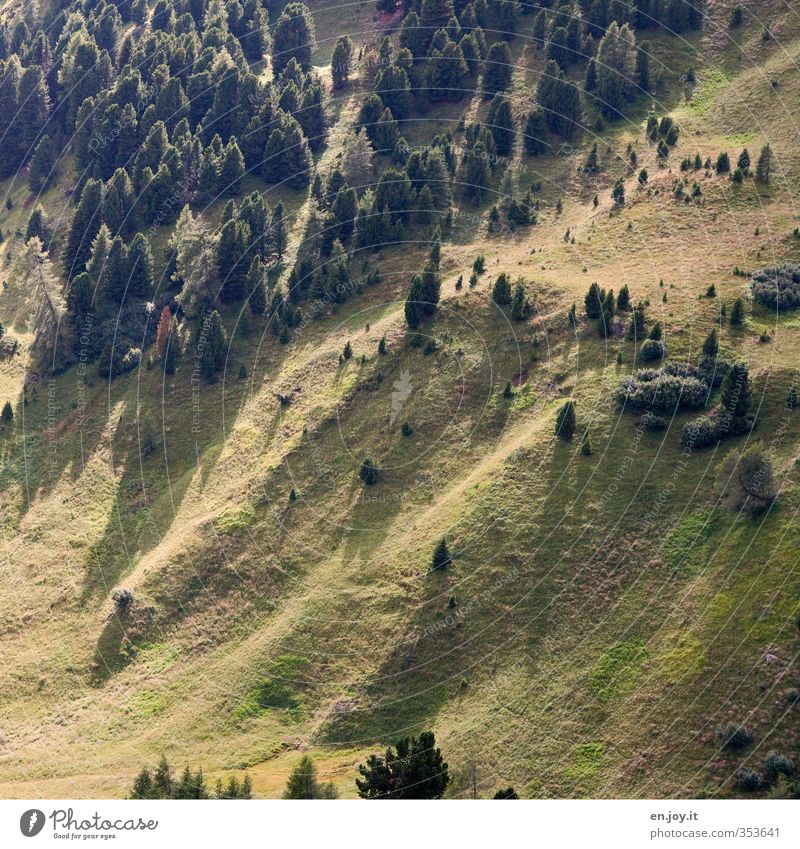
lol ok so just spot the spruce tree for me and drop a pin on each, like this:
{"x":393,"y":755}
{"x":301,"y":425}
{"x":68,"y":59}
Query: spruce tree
{"x":501,"y":293}
{"x":565,"y":421}
{"x":711,"y":345}
{"x":636,"y":326}
{"x":342,"y":61}
{"x":214,"y":342}
{"x":42,"y":170}
{"x":497,"y":69}
{"x":593,"y":301}
{"x":84,"y":226}
{"x":519,"y":303}
{"x":140,"y":268}
{"x":441,"y":555}
{"x":737,"y":316}
{"x":536,"y":132}
{"x":624,"y":299}
{"x":764,"y":165}
{"x":293,"y":38}
{"x":735,"y":395}
{"x":500,"y":122}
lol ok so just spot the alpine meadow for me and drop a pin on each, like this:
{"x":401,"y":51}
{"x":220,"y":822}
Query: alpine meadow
{"x":399,"y":399}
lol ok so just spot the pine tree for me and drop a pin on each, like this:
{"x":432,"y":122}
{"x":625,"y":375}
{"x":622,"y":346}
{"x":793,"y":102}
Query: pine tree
{"x":500,"y":121}
{"x":636,"y":326}
{"x":501,"y":294}
{"x":342,"y":61}
{"x":618,"y":193}
{"x":232,"y":170}
{"x":735,"y":395}
{"x":711,"y":345}
{"x":441,"y":555}
{"x":140,"y":268}
{"x":37,"y":226}
{"x":414,"y":769}
{"x":559,"y":99}
{"x":84,"y":226}
{"x":737,"y":316}
{"x":42,"y":170}
{"x":255,"y":287}
{"x":624,"y":299}
{"x":293,"y":38}
{"x":214,"y":342}
{"x":536,"y":132}
{"x":519,"y":303}
{"x":497,"y":69}
{"x":593,"y":301}
{"x":368,"y":472}
{"x":278,"y":233}
{"x":565,"y":421}
{"x":764,"y":165}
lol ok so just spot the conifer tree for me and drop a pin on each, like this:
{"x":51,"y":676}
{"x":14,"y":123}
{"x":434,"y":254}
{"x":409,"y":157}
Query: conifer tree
{"x":501,"y":294}
{"x":565,"y":421}
{"x":500,"y":121}
{"x":764,"y":165}
{"x":519,"y":303}
{"x":711,"y":344}
{"x":293,"y":38}
{"x":84,"y":226}
{"x":497,"y":69}
{"x":535,"y":132}
{"x":214,"y":342}
{"x":737,"y":316}
{"x":441,"y":555}
{"x":593,"y":301}
{"x":42,"y":170}
{"x":342,"y":61}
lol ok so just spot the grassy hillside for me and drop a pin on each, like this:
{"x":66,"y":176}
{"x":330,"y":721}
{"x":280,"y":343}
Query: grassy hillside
{"x":604,"y":615}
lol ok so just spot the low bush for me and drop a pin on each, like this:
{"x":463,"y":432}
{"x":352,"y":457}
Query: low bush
{"x":700,"y":433}
{"x":660,"y":391}
{"x":748,"y":780}
{"x":650,"y":421}
{"x":734,"y":737}
{"x":652,"y":349}
{"x":777,"y":287}
{"x":776,"y":765}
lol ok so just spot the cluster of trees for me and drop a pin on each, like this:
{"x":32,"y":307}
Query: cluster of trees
{"x":160,"y":783}
{"x":413,"y":768}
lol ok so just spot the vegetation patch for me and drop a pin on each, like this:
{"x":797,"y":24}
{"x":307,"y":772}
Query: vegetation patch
{"x":235,"y":518}
{"x":618,"y":670}
{"x":684,"y":546}
{"x":683,"y":658}
{"x":280,"y":691}
{"x":587,"y":760}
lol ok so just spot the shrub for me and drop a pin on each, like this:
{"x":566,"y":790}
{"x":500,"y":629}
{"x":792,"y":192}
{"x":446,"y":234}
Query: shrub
{"x":369,"y":472}
{"x":751,"y":477}
{"x":734,"y":737}
{"x":777,"y":287}
{"x":123,"y":599}
{"x":748,"y":780}
{"x":652,"y":349}
{"x":658,"y":390}
{"x":650,"y":421}
{"x":776,"y":765}
{"x":699,"y":433}
{"x":506,"y":793}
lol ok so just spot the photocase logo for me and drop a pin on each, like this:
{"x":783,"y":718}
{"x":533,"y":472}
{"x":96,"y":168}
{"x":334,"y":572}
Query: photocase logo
{"x":31,"y":822}
{"x":401,"y":391}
